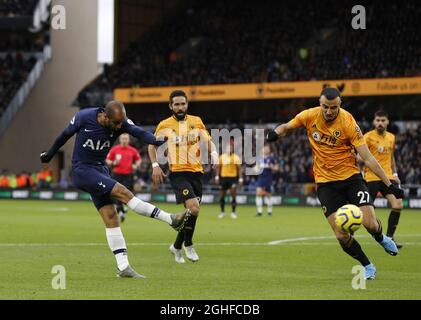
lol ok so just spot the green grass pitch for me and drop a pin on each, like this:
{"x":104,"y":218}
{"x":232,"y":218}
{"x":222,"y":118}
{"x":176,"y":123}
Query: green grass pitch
{"x":236,"y":261}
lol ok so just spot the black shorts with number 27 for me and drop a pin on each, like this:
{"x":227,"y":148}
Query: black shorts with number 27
{"x":186,"y":185}
{"x":335,"y":194}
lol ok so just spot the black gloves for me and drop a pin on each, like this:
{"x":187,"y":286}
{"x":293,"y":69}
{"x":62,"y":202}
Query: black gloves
{"x":45,"y":157}
{"x":160,"y":141}
{"x":397,"y":192}
{"x":271,"y":136}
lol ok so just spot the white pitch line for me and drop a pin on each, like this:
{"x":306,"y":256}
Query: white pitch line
{"x":326,"y":237}
{"x":61,"y":245}
{"x":300,"y":241}
{"x":36,"y":208}
{"x":95,"y":244}
{"x":271,"y":243}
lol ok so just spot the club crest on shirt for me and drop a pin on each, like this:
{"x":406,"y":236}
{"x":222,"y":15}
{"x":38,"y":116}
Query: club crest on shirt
{"x":337,"y":133}
{"x":316,"y":136}
{"x":358,"y":131}
{"x":380,"y":149}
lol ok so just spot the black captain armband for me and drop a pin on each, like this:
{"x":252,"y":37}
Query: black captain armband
{"x":160,"y":141}
{"x":272,"y":136}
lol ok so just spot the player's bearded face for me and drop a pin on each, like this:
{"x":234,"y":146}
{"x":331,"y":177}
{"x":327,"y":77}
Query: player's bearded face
{"x":114,"y":125}
{"x":381,"y":123}
{"x":179,"y":107}
{"x":330,"y":108}
{"x":115,"y":121}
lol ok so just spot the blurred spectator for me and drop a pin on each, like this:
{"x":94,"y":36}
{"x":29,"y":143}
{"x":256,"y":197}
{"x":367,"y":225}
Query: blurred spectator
{"x":14,"y":70}
{"x":4,"y":179}
{"x":16,"y":8}
{"x":23,"y":180}
{"x":44,"y":177}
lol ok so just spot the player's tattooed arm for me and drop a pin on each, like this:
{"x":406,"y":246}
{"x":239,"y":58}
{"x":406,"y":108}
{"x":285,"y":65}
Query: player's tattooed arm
{"x":395,"y":170}
{"x":214,"y":155}
{"x":210,"y":146}
{"x":372,"y":163}
{"x":360,"y":162}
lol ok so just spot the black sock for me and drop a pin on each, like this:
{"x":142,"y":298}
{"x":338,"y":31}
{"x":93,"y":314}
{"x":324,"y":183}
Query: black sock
{"x":189,"y":227}
{"x":377,"y":235}
{"x":393,"y":222}
{"x":353,"y":248}
{"x":233,"y":204}
{"x":222,"y":203}
{"x":179,"y":240}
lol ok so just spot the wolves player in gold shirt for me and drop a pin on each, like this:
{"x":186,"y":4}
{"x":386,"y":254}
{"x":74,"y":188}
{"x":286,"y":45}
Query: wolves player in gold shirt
{"x":334,"y":135}
{"x":228,"y":176}
{"x":382,"y":145}
{"x":187,"y":137}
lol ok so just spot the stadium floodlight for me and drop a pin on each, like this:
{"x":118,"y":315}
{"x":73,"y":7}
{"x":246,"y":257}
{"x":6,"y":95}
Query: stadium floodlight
{"x":105,"y":31}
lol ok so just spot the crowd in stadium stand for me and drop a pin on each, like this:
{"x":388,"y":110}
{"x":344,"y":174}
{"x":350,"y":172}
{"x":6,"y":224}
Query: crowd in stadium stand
{"x":229,"y":42}
{"x":13,"y":8}
{"x":408,"y":156}
{"x":14,"y":69}
{"x":23,"y":42}
{"x":41,"y":179}
{"x":15,"y":65}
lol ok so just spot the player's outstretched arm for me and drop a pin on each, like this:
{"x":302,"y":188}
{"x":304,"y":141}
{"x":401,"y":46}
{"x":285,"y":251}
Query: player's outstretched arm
{"x":395,"y":170}
{"x":70,"y":130}
{"x":240,"y":174}
{"x":360,"y":163}
{"x":280,"y":131}
{"x":142,"y":135}
{"x":211,"y":148}
{"x":372,"y":163}
{"x":214,"y":156}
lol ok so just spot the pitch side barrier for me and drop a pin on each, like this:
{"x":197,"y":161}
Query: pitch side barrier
{"x":411,"y":202}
